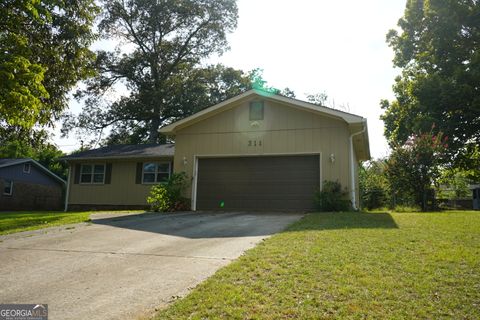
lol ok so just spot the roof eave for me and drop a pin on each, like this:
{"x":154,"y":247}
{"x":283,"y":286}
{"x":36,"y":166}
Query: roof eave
{"x":116,"y":157}
{"x":347,"y":117}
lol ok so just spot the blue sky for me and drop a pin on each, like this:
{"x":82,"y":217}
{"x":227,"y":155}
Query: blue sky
{"x":310,"y":46}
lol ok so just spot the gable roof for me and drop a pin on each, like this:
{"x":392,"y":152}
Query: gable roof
{"x":120,"y":151}
{"x":225,"y":105}
{"x":356,"y":123}
{"x":8,"y":162}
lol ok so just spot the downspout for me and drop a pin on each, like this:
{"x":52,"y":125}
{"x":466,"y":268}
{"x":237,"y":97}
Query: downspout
{"x":352,"y":168}
{"x":68,"y":188}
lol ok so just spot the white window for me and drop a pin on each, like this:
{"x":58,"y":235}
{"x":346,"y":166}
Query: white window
{"x":8,"y":187}
{"x":155,"y":172}
{"x":26,"y":167}
{"x":92,"y":173}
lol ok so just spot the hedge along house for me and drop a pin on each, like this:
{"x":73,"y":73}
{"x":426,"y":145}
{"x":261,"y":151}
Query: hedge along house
{"x":260,"y":151}
{"x":255,"y":151}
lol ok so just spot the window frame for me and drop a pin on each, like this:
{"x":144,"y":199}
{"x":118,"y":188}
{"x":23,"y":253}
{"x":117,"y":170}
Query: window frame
{"x":29,"y":167}
{"x":157,"y":163}
{"x":251,"y":107}
{"x":11,"y":187}
{"x":92,"y":173}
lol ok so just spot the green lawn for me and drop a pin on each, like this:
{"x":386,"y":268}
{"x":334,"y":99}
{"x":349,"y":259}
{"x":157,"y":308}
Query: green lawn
{"x":350,"y":266}
{"x":11,"y":222}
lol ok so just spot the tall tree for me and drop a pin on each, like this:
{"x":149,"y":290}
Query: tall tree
{"x":192,"y":90}
{"x":166,"y":40}
{"x":44,"y":52}
{"x":438,"y":50}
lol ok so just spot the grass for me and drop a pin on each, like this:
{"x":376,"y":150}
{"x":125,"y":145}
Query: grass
{"x":11,"y":222}
{"x":350,"y":266}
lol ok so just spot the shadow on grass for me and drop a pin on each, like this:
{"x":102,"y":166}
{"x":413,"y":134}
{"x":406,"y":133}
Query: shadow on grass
{"x":245,"y":224}
{"x":345,"y":220}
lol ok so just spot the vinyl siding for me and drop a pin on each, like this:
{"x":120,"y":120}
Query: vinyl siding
{"x":36,"y":175}
{"x":284,"y":130}
{"x":122,"y":191}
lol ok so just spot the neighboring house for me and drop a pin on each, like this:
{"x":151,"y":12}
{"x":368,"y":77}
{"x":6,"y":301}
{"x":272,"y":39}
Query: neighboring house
{"x":27,"y":185}
{"x":255,"y":151}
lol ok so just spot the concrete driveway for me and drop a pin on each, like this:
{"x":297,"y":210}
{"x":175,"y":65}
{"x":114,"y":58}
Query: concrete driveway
{"x":123,"y":267}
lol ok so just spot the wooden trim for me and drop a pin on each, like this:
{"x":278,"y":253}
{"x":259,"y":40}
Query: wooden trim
{"x":227,"y":155}
{"x":194,"y":183}
{"x":67,"y":193}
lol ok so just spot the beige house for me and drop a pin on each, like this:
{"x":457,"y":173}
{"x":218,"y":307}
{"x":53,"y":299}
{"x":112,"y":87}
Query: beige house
{"x":255,"y":151}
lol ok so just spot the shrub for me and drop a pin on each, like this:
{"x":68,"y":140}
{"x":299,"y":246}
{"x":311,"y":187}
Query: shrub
{"x":374,"y":186}
{"x":332,"y":197}
{"x":168,"y":196}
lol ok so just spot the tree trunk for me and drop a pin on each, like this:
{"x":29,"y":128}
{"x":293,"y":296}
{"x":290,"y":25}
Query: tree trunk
{"x":154,"y":126}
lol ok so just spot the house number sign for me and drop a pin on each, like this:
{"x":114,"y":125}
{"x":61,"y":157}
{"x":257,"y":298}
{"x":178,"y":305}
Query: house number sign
{"x":254,"y":143}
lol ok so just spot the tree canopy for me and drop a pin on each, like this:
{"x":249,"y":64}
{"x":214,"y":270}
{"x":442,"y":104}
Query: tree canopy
{"x":167,"y":40}
{"x":44,"y":52}
{"x":24,"y":143}
{"x":438,"y":50}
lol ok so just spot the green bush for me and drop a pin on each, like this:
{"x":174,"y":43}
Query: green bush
{"x":332,"y":197}
{"x":168,"y":196}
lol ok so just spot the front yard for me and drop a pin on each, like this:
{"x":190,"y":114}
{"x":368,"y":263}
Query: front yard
{"x":11,"y":222}
{"x":350,"y":266}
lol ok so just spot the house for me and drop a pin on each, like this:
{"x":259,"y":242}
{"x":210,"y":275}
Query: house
{"x":116,"y":177}
{"x":27,"y":185}
{"x":255,"y":151}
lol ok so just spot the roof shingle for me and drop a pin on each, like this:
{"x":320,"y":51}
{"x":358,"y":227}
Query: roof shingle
{"x":126,"y":151}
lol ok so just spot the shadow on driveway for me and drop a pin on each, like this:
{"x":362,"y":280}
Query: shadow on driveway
{"x":204,"y":225}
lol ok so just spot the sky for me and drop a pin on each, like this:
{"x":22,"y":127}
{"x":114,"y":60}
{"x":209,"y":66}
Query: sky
{"x":312,"y":46}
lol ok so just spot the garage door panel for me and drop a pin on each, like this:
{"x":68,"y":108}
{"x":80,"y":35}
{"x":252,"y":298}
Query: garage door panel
{"x":257,"y":183}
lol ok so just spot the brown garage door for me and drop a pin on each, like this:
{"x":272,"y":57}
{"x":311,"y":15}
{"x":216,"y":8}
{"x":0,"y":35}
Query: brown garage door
{"x":257,"y":183}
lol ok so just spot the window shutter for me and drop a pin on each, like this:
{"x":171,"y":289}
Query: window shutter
{"x":138,"y":176}
{"x":76,"y":172}
{"x":108,"y":173}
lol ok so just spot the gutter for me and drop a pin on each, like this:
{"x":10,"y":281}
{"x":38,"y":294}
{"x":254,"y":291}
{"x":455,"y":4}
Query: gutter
{"x":352,"y":168}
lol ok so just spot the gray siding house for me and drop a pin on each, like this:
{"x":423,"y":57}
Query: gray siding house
{"x":27,"y":185}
